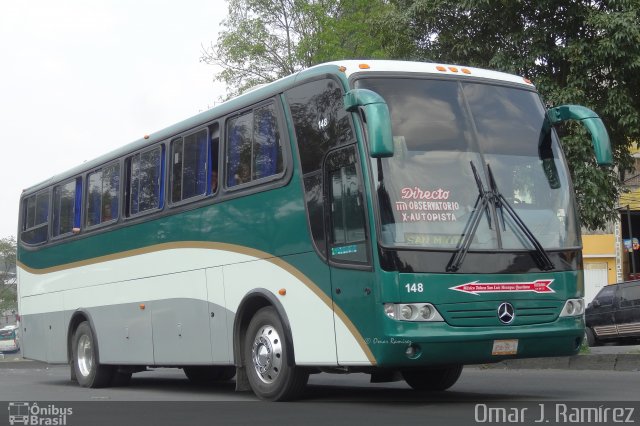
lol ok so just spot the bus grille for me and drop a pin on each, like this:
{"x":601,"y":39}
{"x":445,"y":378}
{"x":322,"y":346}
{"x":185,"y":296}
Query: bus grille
{"x":485,"y":314}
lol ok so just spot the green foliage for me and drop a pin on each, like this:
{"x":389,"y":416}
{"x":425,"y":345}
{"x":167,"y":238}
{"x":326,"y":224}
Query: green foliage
{"x":264,"y":40}
{"x":8,"y":294}
{"x":582,"y":52}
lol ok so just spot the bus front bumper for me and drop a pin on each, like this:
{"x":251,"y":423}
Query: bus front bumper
{"x":441,"y":344}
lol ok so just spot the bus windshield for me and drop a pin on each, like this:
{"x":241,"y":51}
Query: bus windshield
{"x":453,"y":141}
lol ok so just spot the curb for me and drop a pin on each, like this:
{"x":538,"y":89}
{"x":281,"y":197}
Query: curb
{"x":607,"y":362}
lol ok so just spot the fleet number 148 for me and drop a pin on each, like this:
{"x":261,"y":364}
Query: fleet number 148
{"x":414,"y":288}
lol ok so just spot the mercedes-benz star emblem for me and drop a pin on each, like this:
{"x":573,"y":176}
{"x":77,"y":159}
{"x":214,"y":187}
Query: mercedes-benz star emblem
{"x":506,"y":313}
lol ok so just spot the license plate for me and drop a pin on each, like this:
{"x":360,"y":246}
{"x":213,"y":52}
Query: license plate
{"x":505,"y":347}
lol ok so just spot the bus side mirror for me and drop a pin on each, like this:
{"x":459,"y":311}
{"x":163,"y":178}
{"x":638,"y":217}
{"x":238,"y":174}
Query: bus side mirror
{"x":593,"y":123}
{"x":377,"y":117}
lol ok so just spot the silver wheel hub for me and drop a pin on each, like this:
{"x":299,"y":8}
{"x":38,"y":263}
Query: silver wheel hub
{"x":85,"y":355}
{"x":266,"y":354}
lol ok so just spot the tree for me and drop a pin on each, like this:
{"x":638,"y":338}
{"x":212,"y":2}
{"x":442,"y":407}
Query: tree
{"x":260,"y":42}
{"x":8,"y":294}
{"x":576,"y":51}
{"x":264,"y":40}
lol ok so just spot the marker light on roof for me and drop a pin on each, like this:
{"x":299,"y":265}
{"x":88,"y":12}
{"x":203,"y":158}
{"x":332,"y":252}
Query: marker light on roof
{"x":364,"y":66}
{"x":342,"y":69}
{"x":453,"y":69}
{"x":466,"y":71}
{"x":441,"y":68}
{"x":526,"y":80}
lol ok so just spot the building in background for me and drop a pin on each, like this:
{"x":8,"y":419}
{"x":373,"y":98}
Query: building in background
{"x":613,"y":255}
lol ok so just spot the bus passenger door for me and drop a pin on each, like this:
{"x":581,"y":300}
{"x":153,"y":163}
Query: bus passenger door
{"x":349,"y":253}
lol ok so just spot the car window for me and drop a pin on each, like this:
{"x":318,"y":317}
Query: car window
{"x":630,"y":295}
{"x":605,"y":297}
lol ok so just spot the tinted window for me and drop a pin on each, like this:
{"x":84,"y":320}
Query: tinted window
{"x":253,"y":146}
{"x":189,"y":158}
{"x":605,"y":297}
{"x":66,"y":211}
{"x":320,"y":120}
{"x":321,"y":123}
{"x":348,"y":236}
{"x":144,"y":171}
{"x":35,"y":218}
{"x":630,"y":294}
{"x":103,"y":190}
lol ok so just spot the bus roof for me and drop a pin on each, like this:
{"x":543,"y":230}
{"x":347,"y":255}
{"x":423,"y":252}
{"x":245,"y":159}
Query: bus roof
{"x":348,"y":68}
{"x":353,"y":67}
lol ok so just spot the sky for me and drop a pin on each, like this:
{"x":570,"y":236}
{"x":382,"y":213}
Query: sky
{"x":80,"y":78}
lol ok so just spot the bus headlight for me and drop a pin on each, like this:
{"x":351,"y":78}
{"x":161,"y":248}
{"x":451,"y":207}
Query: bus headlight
{"x":573,"y":308}
{"x":412,"y":312}
{"x":407,"y":312}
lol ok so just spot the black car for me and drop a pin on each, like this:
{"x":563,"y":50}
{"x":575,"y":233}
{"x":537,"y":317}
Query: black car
{"x":614,"y":314}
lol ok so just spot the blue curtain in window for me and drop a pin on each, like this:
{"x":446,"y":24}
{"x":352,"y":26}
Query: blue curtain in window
{"x":78,"y":204}
{"x":234,"y":156}
{"x":268,"y":149}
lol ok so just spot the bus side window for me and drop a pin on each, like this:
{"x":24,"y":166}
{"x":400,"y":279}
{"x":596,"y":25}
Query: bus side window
{"x":103,"y":192}
{"x":66,"y":207}
{"x":189,"y":159}
{"x":144,"y":187}
{"x":348,"y":237}
{"x":35,"y":218}
{"x":254,"y":148}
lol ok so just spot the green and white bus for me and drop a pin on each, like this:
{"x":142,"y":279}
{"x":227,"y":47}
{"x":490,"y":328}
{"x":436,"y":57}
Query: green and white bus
{"x":395,"y":218}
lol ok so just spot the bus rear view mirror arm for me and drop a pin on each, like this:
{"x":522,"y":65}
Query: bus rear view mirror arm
{"x":593,"y":123}
{"x":377,"y":117}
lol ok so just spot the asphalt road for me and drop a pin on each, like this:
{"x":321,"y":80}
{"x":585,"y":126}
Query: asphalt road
{"x":165,"y":396}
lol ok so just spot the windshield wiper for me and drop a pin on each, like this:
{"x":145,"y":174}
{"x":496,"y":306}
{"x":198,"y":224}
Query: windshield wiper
{"x":485,"y":197}
{"x":481,"y":205}
{"x":541,"y":257}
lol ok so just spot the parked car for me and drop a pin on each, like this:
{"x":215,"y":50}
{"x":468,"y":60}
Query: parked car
{"x":614,"y":314}
{"x":9,"y":339}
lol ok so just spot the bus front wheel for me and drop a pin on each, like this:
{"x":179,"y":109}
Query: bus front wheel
{"x":265,"y":357}
{"x":433,"y":379}
{"x":88,"y":372}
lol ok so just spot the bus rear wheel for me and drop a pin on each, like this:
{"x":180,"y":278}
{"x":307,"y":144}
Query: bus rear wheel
{"x":433,"y":379}
{"x":265,"y":357}
{"x":203,"y":375}
{"x":88,"y":372}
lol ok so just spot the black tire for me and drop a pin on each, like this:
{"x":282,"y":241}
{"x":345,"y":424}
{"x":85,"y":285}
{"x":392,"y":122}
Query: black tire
{"x":88,"y":371}
{"x":592,"y":341}
{"x":266,"y":362}
{"x":433,"y":379}
{"x":204,"y":375}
